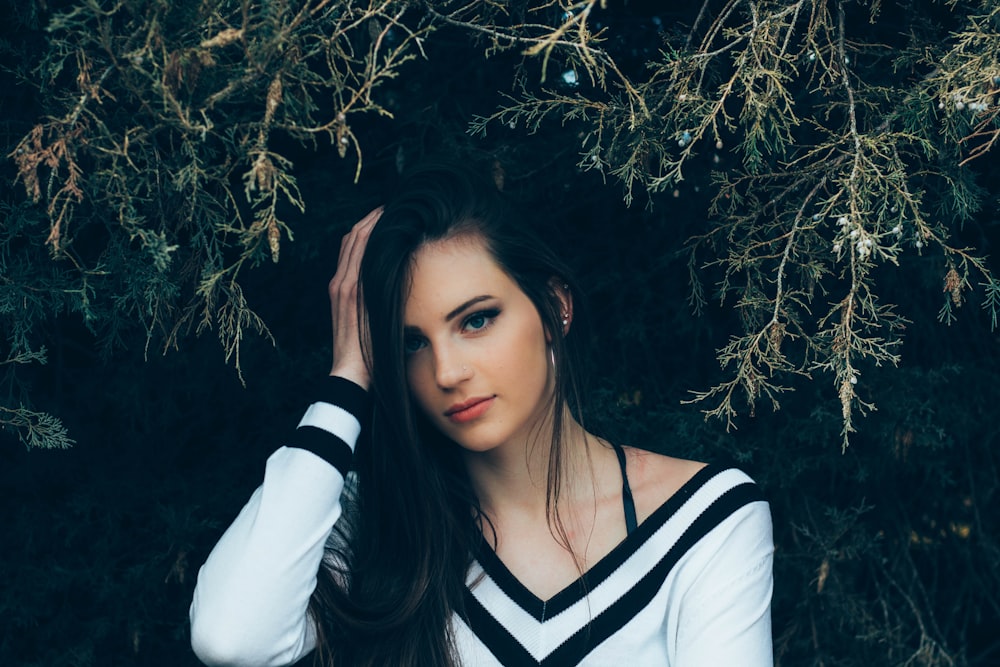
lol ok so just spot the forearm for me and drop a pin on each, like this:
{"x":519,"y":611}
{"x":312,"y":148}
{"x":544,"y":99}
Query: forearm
{"x":251,"y":599}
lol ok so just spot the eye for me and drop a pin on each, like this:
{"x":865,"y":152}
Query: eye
{"x":413,"y":344}
{"x":480,"y":320}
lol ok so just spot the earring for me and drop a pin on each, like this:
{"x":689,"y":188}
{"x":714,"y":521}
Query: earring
{"x":565,"y":319}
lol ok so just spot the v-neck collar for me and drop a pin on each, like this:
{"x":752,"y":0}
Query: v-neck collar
{"x":577,"y":589}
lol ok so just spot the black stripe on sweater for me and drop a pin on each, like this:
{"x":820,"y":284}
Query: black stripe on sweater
{"x":503,"y":645}
{"x":344,"y":394}
{"x":636,"y":598}
{"x":325,"y":445}
{"x":602,"y":569}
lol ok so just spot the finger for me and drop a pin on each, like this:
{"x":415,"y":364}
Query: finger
{"x":359,"y":241}
{"x":349,"y":245}
{"x":352,"y":248}
{"x":349,"y":242}
{"x":345,"y":251}
{"x":372,"y":217}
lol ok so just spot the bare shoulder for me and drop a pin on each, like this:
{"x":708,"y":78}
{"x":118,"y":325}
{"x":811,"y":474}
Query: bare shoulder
{"x":655,"y":478}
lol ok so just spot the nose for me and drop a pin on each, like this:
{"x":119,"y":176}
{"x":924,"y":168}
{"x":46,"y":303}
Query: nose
{"x":450,"y":367}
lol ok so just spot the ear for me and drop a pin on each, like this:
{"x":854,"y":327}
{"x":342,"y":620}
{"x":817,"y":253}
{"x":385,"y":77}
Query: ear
{"x":561,"y":291}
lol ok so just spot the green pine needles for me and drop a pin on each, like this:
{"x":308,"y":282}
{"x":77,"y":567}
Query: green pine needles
{"x":848,"y":154}
{"x":153,"y":166}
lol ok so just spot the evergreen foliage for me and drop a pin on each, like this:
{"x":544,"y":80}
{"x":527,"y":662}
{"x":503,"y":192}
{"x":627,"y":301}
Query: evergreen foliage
{"x":801,"y":192}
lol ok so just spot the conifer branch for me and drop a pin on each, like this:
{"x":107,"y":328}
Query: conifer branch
{"x":35,"y":430}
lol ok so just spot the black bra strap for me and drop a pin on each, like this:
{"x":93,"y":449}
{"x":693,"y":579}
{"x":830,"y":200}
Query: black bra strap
{"x":630,"y":522}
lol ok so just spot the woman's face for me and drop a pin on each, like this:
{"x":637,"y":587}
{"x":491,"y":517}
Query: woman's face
{"x":477,"y":354}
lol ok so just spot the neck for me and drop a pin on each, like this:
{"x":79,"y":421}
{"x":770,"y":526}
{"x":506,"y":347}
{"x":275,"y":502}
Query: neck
{"x":514,"y":477}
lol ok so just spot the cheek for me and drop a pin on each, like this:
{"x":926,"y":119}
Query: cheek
{"x":529,"y":354}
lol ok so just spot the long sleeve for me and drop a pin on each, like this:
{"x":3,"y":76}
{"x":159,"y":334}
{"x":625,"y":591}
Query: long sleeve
{"x":250,"y":602}
{"x":725,"y":617}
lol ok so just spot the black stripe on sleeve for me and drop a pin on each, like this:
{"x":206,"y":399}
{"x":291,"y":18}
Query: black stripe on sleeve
{"x":344,"y":394}
{"x":325,"y":445}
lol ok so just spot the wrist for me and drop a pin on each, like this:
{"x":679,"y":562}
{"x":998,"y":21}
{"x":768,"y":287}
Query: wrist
{"x":358,"y":376}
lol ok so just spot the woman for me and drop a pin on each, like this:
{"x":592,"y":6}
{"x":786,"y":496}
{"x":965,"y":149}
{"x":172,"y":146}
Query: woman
{"x":482,"y":525}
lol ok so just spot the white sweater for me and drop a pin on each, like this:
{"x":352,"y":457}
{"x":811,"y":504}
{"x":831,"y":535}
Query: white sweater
{"x":690,"y":587}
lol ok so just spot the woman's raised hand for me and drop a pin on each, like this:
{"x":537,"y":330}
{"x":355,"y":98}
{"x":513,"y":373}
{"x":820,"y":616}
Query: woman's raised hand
{"x":348,"y":360}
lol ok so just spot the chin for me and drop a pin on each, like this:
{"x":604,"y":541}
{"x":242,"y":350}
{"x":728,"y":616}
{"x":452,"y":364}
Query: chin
{"x":476,"y":445}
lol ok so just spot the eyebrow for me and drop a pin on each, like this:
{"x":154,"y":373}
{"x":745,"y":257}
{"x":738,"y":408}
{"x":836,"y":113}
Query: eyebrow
{"x":468,"y":304}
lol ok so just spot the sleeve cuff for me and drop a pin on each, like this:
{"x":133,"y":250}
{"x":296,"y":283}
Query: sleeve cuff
{"x":344,"y":394}
{"x":332,"y":424}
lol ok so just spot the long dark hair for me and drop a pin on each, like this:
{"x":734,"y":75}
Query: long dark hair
{"x":390,"y":599}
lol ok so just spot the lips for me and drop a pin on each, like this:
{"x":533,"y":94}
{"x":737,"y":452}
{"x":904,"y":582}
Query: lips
{"x":469,"y":410}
